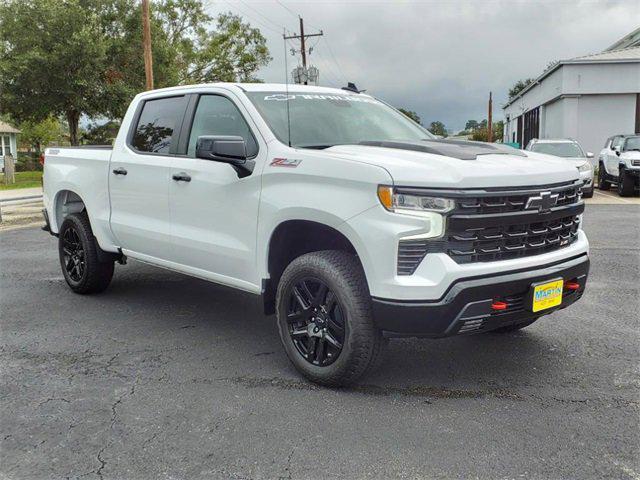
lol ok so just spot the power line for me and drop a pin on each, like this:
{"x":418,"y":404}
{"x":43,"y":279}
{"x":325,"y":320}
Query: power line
{"x":287,"y":8}
{"x":262,"y":15}
{"x":335,"y":60}
{"x":250,"y":17}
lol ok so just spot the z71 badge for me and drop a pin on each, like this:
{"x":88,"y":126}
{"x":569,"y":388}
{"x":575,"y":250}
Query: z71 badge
{"x":285,"y":162}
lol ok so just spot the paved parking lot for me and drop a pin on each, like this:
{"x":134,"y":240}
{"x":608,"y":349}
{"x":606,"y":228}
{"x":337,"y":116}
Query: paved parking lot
{"x":164,"y":376}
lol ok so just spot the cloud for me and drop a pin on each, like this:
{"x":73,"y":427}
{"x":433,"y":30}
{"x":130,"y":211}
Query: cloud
{"x":439,"y":58}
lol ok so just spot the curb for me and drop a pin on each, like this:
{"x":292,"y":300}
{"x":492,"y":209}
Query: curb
{"x":15,"y":199}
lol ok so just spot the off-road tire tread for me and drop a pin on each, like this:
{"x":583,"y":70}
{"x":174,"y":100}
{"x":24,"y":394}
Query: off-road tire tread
{"x":98,"y":274}
{"x":364,"y":334}
{"x":625,"y":184}
{"x":603,"y":183}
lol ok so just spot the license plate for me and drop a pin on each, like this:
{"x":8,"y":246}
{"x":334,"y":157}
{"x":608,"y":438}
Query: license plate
{"x":547,"y":295}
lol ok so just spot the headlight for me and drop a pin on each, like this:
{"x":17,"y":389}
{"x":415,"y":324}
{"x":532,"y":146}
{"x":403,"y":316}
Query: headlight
{"x":398,"y":202}
{"x":585,"y":167}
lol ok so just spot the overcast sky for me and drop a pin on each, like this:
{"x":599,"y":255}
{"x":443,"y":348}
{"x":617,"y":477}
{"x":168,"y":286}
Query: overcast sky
{"x":439,"y":58}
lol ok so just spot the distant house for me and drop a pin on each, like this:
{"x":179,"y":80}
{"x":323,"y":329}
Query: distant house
{"x":586,"y":98}
{"x":8,"y":141}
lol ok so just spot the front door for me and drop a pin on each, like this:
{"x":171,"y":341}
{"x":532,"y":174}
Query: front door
{"x":214,"y":212}
{"x":139,"y":176}
{"x":612,"y":158}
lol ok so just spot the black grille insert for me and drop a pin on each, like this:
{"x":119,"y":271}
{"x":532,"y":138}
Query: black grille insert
{"x":489,"y":225}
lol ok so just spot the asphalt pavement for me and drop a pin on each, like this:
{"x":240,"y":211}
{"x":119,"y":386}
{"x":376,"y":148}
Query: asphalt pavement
{"x":168,"y":377}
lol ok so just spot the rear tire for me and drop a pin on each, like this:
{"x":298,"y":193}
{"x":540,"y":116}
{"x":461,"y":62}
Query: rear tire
{"x":603,"y":183}
{"x":78,"y":253}
{"x":334,"y":295}
{"x":626,"y":185}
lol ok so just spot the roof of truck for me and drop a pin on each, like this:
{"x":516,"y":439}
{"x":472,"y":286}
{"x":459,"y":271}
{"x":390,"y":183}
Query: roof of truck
{"x":263,"y":87}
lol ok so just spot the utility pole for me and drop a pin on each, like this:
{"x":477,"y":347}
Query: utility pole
{"x":146,"y":42}
{"x":489,"y":121}
{"x":303,"y":49}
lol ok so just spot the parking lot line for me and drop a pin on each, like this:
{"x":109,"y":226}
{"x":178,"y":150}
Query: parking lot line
{"x":612,"y":197}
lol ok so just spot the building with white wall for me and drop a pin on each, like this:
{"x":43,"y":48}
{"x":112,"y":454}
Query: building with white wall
{"x":587,"y":98}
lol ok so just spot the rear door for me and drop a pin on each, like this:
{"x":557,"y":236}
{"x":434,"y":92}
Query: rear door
{"x":214,"y":212}
{"x":139,"y":178}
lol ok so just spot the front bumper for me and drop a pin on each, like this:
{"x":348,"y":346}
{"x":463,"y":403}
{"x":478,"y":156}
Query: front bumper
{"x":466,"y":306}
{"x":633,"y":172}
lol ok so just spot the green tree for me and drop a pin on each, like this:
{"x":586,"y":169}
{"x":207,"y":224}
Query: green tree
{"x":83,"y":57}
{"x":519,"y":86}
{"x":481,"y":134}
{"x":438,"y":128}
{"x":37,"y":136}
{"x":471,"y":125}
{"x":103,"y":134}
{"x":411,"y":114}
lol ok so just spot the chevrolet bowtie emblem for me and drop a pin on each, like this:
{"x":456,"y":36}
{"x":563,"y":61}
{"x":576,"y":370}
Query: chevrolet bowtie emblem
{"x":542,"y":202}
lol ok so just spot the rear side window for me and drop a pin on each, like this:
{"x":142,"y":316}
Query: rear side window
{"x":157,"y":123}
{"x":217,"y":115}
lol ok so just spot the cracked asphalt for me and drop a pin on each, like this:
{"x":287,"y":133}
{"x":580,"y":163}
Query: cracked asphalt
{"x":169,"y":377}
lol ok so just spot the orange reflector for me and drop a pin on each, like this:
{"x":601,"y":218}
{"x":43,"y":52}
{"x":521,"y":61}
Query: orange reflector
{"x":499,"y":306}
{"x":385,"y":194}
{"x":572,"y":285}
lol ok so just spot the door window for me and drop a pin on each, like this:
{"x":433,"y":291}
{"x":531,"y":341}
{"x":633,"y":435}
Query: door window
{"x":157,"y":123}
{"x":617,"y":141}
{"x":217,"y":115}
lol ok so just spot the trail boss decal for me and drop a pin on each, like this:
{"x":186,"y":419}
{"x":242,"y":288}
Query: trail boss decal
{"x":285,"y":162}
{"x":280,"y":97}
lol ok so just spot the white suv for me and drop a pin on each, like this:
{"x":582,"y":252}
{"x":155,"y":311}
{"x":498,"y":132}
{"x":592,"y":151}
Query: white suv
{"x":619,"y":163}
{"x":571,"y":150}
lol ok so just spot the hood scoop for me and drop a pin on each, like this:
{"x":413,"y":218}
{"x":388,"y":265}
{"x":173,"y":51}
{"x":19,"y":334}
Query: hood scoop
{"x":459,"y":149}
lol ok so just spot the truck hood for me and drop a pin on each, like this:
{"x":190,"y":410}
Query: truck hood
{"x":630,"y":155}
{"x":423,"y":169}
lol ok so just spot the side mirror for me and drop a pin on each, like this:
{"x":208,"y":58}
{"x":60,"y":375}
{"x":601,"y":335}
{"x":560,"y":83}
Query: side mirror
{"x":617,"y":150}
{"x":229,"y":149}
{"x":589,"y":154}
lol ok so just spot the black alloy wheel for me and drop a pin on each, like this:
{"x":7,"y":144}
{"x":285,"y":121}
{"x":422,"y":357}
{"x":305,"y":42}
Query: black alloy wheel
{"x":316,"y":321}
{"x":73,"y":254}
{"x":83,"y":269}
{"x":325,"y":319}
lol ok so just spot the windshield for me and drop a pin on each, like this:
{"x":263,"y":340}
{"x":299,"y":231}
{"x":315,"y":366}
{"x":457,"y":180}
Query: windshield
{"x":558,"y":149}
{"x":632,"y":143}
{"x":323,"y":120}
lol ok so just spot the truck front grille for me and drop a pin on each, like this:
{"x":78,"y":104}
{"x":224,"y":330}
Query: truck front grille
{"x":512,"y":201}
{"x":511,"y":241}
{"x":488,"y":226}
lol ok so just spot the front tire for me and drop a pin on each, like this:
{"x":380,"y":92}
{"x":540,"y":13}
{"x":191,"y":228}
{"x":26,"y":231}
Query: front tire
{"x":78,"y":253}
{"x":588,"y":193}
{"x":625,"y":184}
{"x":324,"y":317}
{"x":603,"y":183}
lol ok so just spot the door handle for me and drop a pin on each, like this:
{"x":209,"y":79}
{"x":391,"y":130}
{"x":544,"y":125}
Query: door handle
{"x":181,"y":177}
{"x":119,"y":171}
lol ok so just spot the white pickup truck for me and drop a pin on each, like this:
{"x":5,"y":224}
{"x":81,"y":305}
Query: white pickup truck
{"x":349,"y":221}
